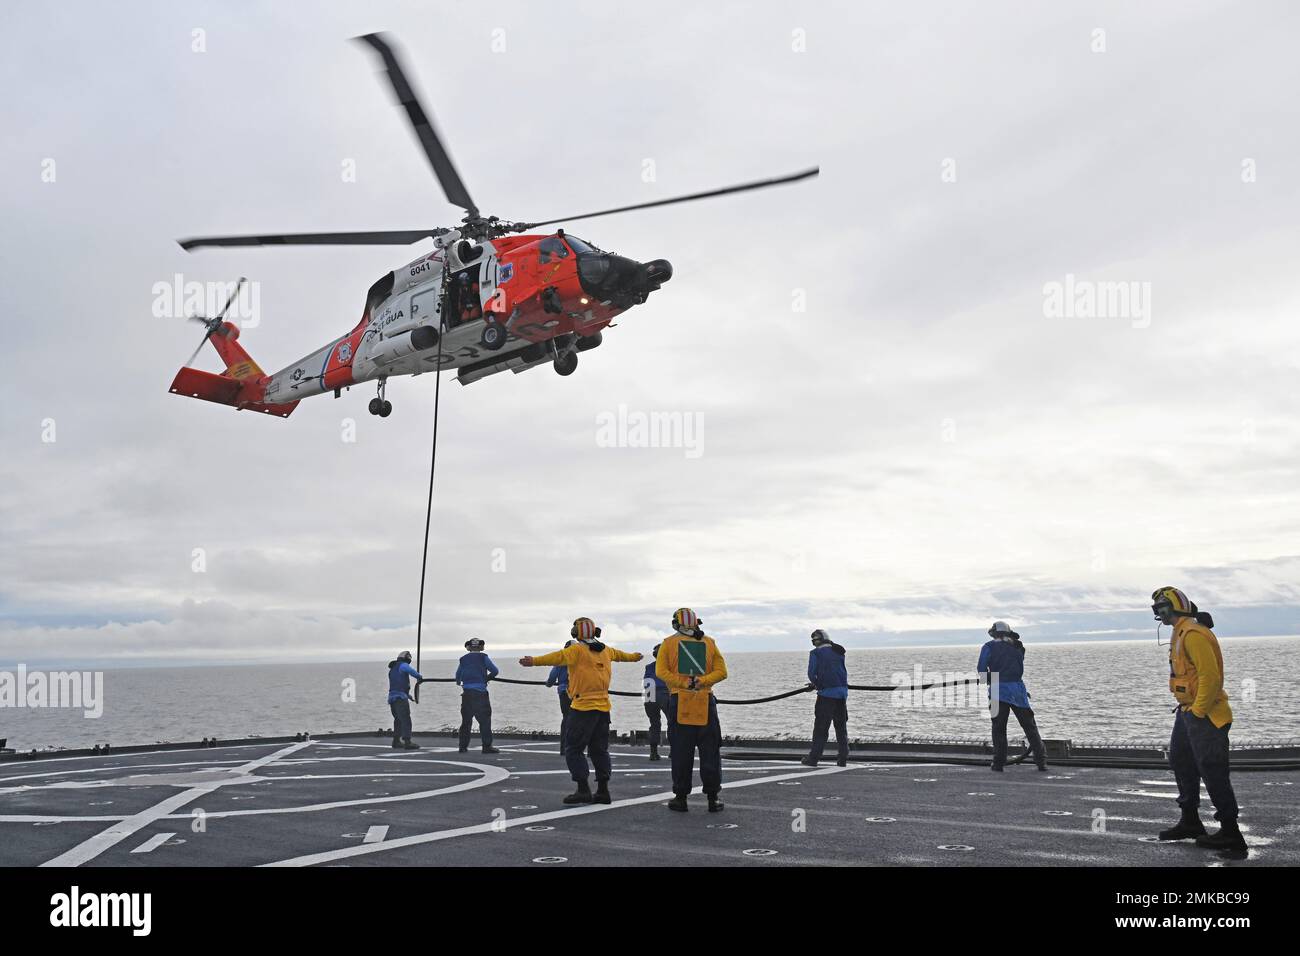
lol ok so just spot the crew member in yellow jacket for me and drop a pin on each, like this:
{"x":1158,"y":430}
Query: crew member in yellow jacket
{"x":1198,"y":747}
{"x":587,"y":729}
{"x":690,"y":664}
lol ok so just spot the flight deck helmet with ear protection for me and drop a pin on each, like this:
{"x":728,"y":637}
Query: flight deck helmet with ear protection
{"x":1001,"y":629}
{"x":819,"y":638}
{"x":475,"y":644}
{"x":584,"y":629}
{"x":685,"y":622}
{"x":404,"y":656}
{"x":1168,"y":603}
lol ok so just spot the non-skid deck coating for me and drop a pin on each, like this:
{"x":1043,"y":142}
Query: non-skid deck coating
{"x":364,"y":804}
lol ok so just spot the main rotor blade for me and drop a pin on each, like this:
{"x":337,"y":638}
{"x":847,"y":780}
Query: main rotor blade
{"x":743,"y":187}
{"x":394,"y":238}
{"x":439,"y":158}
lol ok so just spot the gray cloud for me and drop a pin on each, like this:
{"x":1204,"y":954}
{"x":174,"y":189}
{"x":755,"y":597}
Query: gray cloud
{"x":918,"y":450}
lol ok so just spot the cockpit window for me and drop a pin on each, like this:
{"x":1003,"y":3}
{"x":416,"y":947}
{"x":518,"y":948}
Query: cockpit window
{"x":552,"y":248}
{"x":578,"y":246}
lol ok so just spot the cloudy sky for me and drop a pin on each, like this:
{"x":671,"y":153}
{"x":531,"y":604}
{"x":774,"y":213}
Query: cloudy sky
{"x":908,"y":420}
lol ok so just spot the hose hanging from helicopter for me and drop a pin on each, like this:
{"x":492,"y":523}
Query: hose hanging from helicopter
{"x":428,"y":514}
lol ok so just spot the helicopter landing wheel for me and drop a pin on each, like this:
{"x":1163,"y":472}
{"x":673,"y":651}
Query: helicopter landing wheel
{"x":494,"y":335}
{"x":379,"y":405}
{"x":566,"y":363}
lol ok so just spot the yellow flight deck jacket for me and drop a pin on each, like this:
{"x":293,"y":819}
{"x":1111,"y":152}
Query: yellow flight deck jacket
{"x":589,"y":672}
{"x":1196,"y":671}
{"x":715,"y":668}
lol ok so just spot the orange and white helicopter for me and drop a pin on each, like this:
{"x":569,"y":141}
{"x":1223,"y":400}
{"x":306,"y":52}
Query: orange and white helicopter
{"x":485,"y":300}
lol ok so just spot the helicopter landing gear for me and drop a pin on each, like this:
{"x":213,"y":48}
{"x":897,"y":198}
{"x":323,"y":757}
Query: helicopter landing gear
{"x":566,"y":363}
{"x":379,"y":405}
{"x":494,"y":335}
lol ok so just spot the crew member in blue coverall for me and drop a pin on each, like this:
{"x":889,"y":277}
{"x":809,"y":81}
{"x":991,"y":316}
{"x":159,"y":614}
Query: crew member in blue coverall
{"x":472,"y":674}
{"x":1003,"y":658}
{"x":654,"y":692}
{"x":828,"y":673}
{"x":400,"y":673}
{"x":559,"y":678}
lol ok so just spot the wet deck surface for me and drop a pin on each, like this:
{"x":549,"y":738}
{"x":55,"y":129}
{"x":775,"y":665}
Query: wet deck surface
{"x":363,"y":804}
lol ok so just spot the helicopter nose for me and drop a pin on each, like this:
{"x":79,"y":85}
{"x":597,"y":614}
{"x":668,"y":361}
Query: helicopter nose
{"x":658,"y":271}
{"x":610,"y":277}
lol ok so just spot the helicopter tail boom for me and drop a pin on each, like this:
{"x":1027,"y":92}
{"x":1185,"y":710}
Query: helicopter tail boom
{"x":224,"y":390}
{"x":242,"y":385}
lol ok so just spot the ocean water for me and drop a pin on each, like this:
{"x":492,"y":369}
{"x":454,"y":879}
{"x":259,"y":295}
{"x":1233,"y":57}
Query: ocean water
{"x":1096,"y":691}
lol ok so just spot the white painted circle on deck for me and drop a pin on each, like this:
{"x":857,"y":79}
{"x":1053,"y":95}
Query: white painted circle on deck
{"x":490,"y":775}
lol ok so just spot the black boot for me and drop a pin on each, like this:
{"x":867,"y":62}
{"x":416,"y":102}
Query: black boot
{"x":397,"y":743}
{"x":409,"y":744}
{"x":491,"y":750}
{"x":678,"y":804}
{"x":808,"y":761}
{"x":996,"y":769}
{"x":581,"y":795}
{"x":842,"y":762}
{"x":1228,"y":841}
{"x":715,"y":803}
{"x":602,"y":792}
{"x":654,"y":752}
{"x":1189,"y":826}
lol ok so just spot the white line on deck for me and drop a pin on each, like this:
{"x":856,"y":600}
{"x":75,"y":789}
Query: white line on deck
{"x":89,"y":849}
{"x":153,"y":843}
{"x":497,"y":825}
{"x":375,"y":835}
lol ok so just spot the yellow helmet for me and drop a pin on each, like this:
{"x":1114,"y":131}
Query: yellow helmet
{"x":686,"y":622}
{"x":1171,"y":602}
{"x":584,"y":629}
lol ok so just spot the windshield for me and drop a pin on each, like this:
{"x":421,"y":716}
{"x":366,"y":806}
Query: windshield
{"x":578,"y":246}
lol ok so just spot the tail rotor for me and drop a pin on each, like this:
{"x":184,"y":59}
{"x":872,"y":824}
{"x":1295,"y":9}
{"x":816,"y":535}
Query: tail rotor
{"x":214,"y":325}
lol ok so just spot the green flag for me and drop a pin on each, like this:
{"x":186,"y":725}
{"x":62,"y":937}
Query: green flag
{"x":690,"y":658}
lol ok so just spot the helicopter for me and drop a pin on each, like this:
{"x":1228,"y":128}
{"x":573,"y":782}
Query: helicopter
{"x":492,"y":295}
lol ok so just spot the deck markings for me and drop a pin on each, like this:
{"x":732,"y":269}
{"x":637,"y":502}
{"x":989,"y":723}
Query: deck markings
{"x":487,"y":775}
{"x":375,"y":835}
{"x":153,"y":843}
{"x":87,"y":850}
{"x":496,"y":826}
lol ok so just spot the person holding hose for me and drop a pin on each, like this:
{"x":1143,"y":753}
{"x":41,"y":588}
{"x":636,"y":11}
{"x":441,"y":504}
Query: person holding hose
{"x":690,"y":663}
{"x":1003,"y":659}
{"x":472,"y":674}
{"x":588,"y":661}
{"x":400,"y":673}
{"x":1198,"y":746}
{"x":829,"y":675}
{"x":655,"y":696}
{"x":559,"y":679}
